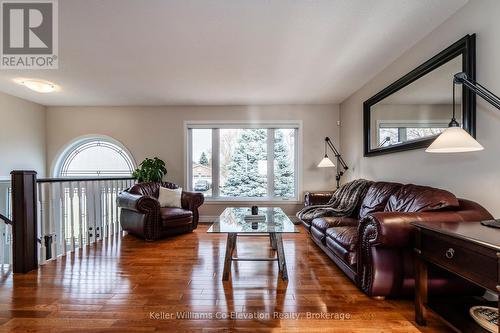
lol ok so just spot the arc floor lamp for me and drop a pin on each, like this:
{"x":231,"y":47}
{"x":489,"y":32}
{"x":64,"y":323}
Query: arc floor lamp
{"x":455,"y":139}
{"x":326,"y":162}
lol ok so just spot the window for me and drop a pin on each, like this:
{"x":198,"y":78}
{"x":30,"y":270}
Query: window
{"x":95,"y":157}
{"x":238,"y":162}
{"x":391,"y":133}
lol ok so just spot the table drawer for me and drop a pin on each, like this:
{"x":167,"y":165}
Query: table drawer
{"x":471,"y":261}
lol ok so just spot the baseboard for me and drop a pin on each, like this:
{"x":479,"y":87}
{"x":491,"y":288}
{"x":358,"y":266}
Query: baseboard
{"x":211,"y":219}
{"x":207,"y":219}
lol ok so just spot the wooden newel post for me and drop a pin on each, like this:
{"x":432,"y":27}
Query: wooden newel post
{"x":24,"y":217}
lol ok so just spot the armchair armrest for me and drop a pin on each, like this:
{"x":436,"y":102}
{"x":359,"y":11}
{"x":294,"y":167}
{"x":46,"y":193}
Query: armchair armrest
{"x":317,"y":198}
{"x":191,"y":201}
{"x":139,"y":203}
{"x":141,"y":215}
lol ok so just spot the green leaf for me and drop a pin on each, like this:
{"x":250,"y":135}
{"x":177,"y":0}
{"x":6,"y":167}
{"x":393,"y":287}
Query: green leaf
{"x":150,"y":170}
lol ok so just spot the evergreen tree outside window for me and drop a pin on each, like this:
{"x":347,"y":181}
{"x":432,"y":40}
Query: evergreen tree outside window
{"x":244,"y":177}
{"x":284,"y":174}
{"x":249,"y":162}
{"x":203,"y":159}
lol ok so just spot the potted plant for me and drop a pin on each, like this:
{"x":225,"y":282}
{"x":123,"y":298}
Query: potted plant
{"x":150,"y":170}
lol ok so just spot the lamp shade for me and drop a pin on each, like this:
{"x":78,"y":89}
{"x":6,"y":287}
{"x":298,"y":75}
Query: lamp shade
{"x":454,"y":140}
{"x":326,"y":163}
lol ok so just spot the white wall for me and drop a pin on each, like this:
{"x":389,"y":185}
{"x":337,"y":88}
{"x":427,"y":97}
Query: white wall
{"x":471,"y":175}
{"x":22,"y":136}
{"x":159,"y":131}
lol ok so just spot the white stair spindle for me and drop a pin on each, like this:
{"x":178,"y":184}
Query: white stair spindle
{"x":41,"y":222}
{"x":85,"y":225}
{"x":72,"y":215}
{"x":54,"y":210}
{"x":80,"y":214}
{"x":104,"y":211}
{"x":64,"y":217}
{"x":111,"y":209}
{"x":91,"y":212}
{"x":99,"y":211}
{"x":108,"y":211}
{"x":3,"y":243}
{"x":117,"y":213}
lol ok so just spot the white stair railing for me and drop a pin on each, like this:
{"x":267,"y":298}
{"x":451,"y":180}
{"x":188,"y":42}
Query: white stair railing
{"x":77,"y":212}
{"x":5,"y":228}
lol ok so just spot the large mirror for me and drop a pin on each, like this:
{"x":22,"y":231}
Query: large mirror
{"x":412,"y":111}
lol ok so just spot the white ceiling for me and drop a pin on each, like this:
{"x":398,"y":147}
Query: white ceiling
{"x":198,"y":52}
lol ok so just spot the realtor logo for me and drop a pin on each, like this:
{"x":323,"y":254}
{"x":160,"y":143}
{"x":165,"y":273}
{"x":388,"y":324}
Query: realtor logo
{"x":29,"y":34}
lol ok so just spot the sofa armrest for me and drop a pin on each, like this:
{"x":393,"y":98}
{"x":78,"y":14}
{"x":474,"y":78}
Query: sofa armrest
{"x":386,"y":240}
{"x":191,"y":201}
{"x":317,"y":198}
{"x":393,"y":229}
{"x":139,"y":203}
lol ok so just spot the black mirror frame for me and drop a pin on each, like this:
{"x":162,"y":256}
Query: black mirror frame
{"x":465,"y":47}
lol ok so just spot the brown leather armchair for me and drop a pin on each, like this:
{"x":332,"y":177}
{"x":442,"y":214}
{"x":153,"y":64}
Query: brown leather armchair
{"x":374,"y":246}
{"x":142,"y":216}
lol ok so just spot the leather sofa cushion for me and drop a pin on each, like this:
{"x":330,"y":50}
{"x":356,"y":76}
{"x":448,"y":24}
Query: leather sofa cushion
{"x":376,"y":198}
{"x":347,"y":236}
{"x":415,"y":198}
{"x":323,"y":223}
{"x":347,"y":256}
{"x":168,"y":213}
{"x":318,"y":235}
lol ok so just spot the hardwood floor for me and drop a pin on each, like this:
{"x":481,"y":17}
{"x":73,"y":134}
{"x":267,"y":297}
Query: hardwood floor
{"x":128,"y":285}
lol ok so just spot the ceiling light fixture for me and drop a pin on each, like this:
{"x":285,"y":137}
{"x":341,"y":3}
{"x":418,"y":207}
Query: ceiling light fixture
{"x":40,"y":86}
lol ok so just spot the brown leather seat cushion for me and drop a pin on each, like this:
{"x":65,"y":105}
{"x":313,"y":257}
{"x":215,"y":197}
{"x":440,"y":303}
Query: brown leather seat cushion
{"x":318,"y":235}
{"x":376,"y":198}
{"x":175,"y":213}
{"x":415,"y":198}
{"x":347,"y":237}
{"x":171,"y":224}
{"x":342,"y":241}
{"x":323,"y":223}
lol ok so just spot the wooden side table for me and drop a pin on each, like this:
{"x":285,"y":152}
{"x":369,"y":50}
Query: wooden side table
{"x":467,"y":249}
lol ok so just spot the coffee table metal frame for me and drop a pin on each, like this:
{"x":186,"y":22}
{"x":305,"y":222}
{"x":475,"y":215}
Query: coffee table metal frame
{"x":276,"y":241}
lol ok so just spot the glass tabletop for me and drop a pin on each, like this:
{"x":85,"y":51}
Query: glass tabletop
{"x":233,"y":220}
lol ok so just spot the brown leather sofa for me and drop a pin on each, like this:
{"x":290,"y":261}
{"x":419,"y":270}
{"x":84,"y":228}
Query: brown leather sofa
{"x":142,"y":216}
{"x":374,"y":246}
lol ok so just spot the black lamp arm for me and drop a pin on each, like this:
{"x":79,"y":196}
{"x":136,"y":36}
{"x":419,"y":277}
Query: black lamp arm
{"x":336,"y":152}
{"x":478,"y":89}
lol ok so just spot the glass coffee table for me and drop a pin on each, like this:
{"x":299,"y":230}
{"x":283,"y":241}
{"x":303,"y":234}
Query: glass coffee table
{"x":232,"y":222}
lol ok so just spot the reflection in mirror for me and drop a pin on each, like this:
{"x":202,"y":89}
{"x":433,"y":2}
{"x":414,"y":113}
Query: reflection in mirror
{"x":418,"y":111}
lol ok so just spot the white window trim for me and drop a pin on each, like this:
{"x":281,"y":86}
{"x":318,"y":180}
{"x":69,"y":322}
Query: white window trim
{"x":209,"y":124}
{"x":408,"y":123}
{"x":64,"y":152}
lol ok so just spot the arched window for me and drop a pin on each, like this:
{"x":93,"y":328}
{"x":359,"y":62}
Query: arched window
{"x":95,"y":157}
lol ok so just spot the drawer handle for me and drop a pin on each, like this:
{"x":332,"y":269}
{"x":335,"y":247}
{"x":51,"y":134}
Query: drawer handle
{"x":450,"y":253}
